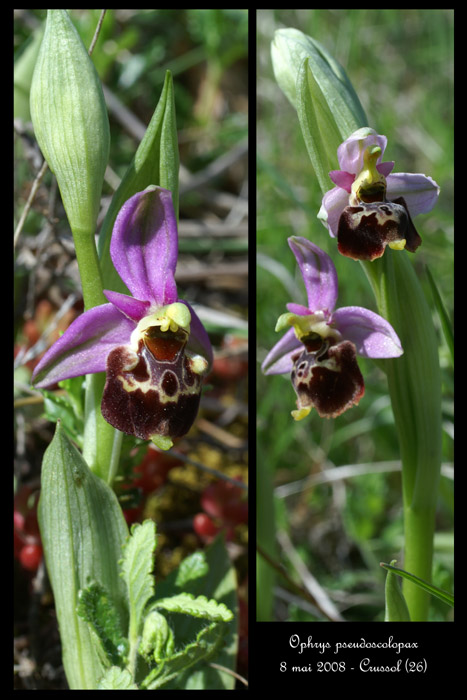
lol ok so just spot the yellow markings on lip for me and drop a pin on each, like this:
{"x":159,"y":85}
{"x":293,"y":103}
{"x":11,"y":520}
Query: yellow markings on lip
{"x":130,"y":384}
{"x":301,"y":413}
{"x":398,"y":245}
{"x":162,"y":441}
{"x":133,"y":360}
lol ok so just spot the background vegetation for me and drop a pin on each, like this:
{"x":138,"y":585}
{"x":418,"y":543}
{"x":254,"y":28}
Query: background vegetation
{"x":401,"y":65}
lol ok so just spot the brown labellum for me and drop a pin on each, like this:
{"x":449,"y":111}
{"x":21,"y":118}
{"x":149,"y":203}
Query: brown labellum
{"x":328,"y":380}
{"x":154,"y":391}
{"x":366,"y":229}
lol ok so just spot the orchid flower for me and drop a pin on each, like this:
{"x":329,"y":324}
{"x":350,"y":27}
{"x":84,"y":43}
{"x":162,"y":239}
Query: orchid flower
{"x":319,"y":350}
{"x":371,"y":207}
{"x":153,"y":383}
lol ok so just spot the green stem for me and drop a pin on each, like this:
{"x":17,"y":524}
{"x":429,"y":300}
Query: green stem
{"x":419,"y":525}
{"x":415,"y":389}
{"x":101,"y":444}
{"x":89,"y":269}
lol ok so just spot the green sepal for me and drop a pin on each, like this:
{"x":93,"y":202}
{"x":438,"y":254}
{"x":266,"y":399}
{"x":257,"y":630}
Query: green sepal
{"x":70,"y":120}
{"x":83,"y":530}
{"x":396,"y":608}
{"x":156,"y":162}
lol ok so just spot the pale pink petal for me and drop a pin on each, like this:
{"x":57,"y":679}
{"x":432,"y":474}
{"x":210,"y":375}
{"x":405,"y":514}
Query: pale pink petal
{"x":371,"y":334}
{"x":84,"y":346}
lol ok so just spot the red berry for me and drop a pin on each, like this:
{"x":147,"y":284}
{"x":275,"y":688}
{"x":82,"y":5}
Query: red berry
{"x":225,"y":501}
{"x":30,"y":556}
{"x":152,"y":471}
{"x":204,"y":526}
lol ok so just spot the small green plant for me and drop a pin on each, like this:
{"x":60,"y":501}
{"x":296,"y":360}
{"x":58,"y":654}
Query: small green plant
{"x":149,"y":647}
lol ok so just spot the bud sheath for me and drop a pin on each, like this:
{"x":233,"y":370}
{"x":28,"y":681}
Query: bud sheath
{"x":70,"y":120}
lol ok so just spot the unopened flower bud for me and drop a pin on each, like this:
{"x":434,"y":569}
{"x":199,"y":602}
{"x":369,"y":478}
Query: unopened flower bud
{"x":70,"y":120}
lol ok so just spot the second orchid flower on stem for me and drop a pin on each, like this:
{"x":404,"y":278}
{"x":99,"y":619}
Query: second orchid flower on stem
{"x":320,"y":346}
{"x":371,"y":207}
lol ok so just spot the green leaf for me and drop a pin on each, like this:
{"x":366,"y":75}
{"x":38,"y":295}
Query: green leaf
{"x":23,"y":72}
{"x":116,"y":678}
{"x":433,"y":590}
{"x":83,"y":530}
{"x":318,"y":124}
{"x":191,"y":568}
{"x":137,"y":567}
{"x":318,"y":87}
{"x":68,"y":408}
{"x":156,"y":162}
{"x":100,"y":613}
{"x":396,"y":607}
{"x":414,"y":383}
{"x":157,"y":639}
{"x":58,"y":407}
{"x":207,"y":643}
{"x":74,"y":388}
{"x":220,"y":584}
{"x":196,"y":607}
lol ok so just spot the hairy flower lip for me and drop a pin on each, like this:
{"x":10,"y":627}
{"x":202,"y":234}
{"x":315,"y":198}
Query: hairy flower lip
{"x":368,"y":227}
{"x":332,"y":384}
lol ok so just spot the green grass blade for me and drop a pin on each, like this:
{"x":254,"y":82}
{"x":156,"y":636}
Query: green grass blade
{"x":433,"y":590}
{"x":446,"y":324}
